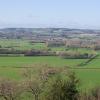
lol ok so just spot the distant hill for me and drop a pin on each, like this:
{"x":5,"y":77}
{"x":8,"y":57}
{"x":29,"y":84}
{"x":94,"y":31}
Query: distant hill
{"x":31,"y":32}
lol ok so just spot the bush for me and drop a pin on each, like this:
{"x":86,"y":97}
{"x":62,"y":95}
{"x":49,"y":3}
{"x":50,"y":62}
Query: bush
{"x":10,"y":90}
{"x":60,"y":88}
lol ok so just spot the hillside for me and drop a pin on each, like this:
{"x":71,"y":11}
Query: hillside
{"x":19,"y":33}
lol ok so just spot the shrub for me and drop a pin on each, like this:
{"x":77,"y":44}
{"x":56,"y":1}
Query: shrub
{"x":60,"y":88}
{"x":10,"y":90}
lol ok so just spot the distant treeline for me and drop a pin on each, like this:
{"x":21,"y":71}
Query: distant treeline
{"x":62,"y":54}
{"x":14,"y":52}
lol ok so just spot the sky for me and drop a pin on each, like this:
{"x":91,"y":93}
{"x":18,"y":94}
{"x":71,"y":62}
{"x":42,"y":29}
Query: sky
{"x":50,"y":13}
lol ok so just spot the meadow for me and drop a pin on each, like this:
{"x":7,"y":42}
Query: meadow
{"x":13,"y":67}
{"x":20,"y":44}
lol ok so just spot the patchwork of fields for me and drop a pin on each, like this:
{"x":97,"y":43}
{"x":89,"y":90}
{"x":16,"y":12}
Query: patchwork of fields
{"x":13,"y":67}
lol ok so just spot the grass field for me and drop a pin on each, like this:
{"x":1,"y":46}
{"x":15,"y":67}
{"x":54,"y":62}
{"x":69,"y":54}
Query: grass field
{"x":51,"y":60}
{"x":20,"y":44}
{"x":89,"y":78}
{"x":13,"y":67}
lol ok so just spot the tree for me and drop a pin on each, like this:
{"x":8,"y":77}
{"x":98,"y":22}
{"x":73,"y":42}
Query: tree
{"x":60,"y":88}
{"x":35,"y":83}
{"x":35,"y":88}
{"x":10,"y":90}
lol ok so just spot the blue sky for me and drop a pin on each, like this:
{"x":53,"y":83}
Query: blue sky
{"x":50,"y":13}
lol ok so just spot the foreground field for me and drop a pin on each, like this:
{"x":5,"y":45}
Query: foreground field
{"x":51,"y":60}
{"x":13,"y":67}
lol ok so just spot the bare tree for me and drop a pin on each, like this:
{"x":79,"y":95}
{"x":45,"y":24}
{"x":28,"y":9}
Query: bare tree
{"x":35,"y":88}
{"x":10,"y":90}
{"x":35,"y":83}
{"x":36,"y":79}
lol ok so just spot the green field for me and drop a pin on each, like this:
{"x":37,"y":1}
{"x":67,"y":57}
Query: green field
{"x":13,"y":67}
{"x":51,"y":60}
{"x":19,"y":44}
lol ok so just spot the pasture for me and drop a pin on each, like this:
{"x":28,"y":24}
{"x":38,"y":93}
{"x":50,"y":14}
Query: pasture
{"x":13,"y":67}
{"x":19,"y":44}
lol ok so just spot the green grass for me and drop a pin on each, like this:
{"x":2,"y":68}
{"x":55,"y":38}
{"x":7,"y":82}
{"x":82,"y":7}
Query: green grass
{"x":61,"y":48}
{"x":21,"y":44}
{"x":12,"y":67}
{"x":11,"y":73}
{"x":50,"y":60}
{"x":89,"y":78}
{"x":94,"y":64}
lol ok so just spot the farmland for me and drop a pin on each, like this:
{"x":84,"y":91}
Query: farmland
{"x":81,"y":56}
{"x":33,"y":60}
{"x":12,"y":67}
{"x":49,"y":50}
{"x":20,"y":44}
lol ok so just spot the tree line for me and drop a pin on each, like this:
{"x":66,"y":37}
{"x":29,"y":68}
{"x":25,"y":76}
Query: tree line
{"x":33,"y":52}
